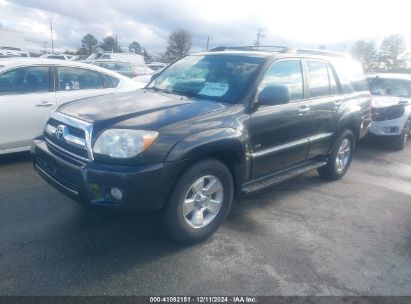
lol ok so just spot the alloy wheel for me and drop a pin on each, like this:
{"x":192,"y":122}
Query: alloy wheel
{"x":343,"y":155}
{"x":203,"y":201}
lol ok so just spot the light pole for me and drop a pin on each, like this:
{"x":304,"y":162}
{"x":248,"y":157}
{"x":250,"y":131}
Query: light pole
{"x":51,"y":33}
{"x":208,"y":42}
{"x":259,"y":36}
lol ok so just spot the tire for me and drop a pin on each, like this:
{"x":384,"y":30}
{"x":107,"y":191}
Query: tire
{"x":335,"y":170}
{"x":187,"y":217}
{"x":400,"y":141}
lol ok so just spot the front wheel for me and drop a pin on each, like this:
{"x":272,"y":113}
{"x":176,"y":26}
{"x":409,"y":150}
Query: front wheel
{"x":200,"y":201}
{"x":340,"y":158}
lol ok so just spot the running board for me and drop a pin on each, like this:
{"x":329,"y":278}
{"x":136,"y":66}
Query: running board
{"x":277,"y":178}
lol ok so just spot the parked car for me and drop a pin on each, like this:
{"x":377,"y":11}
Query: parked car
{"x":391,"y":110}
{"x":56,"y":56}
{"x":210,"y":127}
{"x":31,"y":88}
{"x":8,"y":53}
{"x":156,"y":65}
{"x":124,"y":68}
{"x":136,"y":59}
{"x":145,"y":79}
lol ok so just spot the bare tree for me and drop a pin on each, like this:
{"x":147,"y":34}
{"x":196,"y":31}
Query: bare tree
{"x":179,"y":44}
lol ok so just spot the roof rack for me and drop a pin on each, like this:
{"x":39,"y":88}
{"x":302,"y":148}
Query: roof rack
{"x":280,"y":49}
{"x":272,"y":48}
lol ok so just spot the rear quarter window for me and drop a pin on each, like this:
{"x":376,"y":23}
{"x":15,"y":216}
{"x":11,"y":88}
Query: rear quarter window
{"x":109,"y":81}
{"x":351,"y":76}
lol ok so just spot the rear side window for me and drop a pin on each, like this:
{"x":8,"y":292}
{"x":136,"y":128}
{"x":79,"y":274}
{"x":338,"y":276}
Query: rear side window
{"x":287,"y":73}
{"x":109,"y":81}
{"x":107,"y":65}
{"x":72,"y":79}
{"x":351,"y":76}
{"x":125,"y":67}
{"x":56,"y":57}
{"x":319,"y":83}
{"x":25,"y":80}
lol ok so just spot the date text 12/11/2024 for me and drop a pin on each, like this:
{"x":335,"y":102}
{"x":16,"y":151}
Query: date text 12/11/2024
{"x":208,"y":299}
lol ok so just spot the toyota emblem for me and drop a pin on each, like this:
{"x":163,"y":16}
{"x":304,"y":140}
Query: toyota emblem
{"x":61,"y":132}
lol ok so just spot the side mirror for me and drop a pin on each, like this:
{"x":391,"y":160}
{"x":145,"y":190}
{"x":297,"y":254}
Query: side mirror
{"x":274,"y":95}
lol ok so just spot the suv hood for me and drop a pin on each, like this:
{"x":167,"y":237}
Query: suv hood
{"x":387,"y":101}
{"x":141,"y":107}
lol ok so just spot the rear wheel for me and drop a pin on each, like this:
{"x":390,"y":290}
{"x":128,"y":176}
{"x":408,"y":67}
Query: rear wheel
{"x":199,"y":202}
{"x":400,"y":141}
{"x":341,"y":157}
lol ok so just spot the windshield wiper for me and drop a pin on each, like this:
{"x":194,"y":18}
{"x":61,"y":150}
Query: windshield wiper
{"x":174,"y":92}
{"x":183,"y":93}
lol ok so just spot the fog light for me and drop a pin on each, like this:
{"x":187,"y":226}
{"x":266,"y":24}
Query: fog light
{"x":116,"y":193}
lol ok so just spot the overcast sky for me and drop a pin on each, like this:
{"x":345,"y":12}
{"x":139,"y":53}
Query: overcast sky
{"x":337,"y":24}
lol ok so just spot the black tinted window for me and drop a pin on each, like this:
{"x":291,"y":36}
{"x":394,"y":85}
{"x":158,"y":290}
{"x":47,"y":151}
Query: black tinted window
{"x":319,"y":83}
{"x":78,"y":79}
{"x":25,"y":80}
{"x":286,"y":73}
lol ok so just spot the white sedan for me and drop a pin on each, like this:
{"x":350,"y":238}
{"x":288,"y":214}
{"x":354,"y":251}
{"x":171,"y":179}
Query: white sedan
{"x":31,"y":88}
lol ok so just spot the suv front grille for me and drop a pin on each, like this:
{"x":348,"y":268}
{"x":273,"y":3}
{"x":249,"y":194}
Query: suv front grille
{"x":69,"y":136}
{"x":73,"y":130}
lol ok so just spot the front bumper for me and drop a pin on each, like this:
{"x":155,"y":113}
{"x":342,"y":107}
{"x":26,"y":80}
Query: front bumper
{"x":144,"y":187}
{"x":388,"y":127}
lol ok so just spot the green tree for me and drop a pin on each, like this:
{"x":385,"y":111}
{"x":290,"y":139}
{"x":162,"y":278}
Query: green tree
{"x":110,"y":44}
{"x":89,"y":44}
{"x":366,"y":53}
{"x":135,"y":47}
{"x":179,"y":44}
{"x":391,"y":51}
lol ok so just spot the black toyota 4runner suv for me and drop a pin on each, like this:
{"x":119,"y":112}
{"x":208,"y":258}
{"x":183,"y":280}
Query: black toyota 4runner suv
{"x":208,"y":128}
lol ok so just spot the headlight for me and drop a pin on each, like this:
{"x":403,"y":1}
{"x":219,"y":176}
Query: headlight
{"x":122,"y":143}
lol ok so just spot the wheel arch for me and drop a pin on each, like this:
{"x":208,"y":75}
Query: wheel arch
{"x":350,"y":121}
{"x":226,"y":145}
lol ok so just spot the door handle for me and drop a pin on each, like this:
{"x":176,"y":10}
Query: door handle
{"x":44,"y":104}
{"x":303,"y":110}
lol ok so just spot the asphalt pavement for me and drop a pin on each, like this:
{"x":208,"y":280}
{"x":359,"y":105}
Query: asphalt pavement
{"x":304,"y":237}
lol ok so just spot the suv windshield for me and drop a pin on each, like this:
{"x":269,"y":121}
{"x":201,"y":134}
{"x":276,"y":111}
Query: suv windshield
{"x":217,"y":77}
{"x":390,"y":87}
